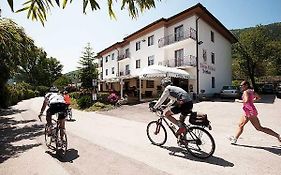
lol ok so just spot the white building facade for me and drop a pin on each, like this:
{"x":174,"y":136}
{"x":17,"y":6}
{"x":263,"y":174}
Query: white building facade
{"x":193,"y":40}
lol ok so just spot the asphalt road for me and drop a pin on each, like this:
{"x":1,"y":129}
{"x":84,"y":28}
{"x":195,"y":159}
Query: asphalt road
{"x":115,"y":142}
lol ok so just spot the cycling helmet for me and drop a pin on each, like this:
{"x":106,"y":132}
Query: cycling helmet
{"x":53,"y":89}
{"x":166,"y":81}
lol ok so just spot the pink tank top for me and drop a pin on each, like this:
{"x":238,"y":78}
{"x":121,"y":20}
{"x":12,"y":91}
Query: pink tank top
{"x":249,"y":105}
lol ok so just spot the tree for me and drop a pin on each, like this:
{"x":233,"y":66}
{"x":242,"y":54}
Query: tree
{"x":88,"y":71}
{"x":252,"y":54}
{"x":14,"y":45}
{"x":38,"y":9}
{"x":37,"y":69}
{"x":62,"y":82}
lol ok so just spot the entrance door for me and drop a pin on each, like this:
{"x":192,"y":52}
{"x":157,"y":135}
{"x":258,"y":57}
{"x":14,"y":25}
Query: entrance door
{"x":182,"y":83}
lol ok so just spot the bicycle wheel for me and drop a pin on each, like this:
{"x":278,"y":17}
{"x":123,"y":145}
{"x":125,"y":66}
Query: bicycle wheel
{"x":61,"y":142}
{"x":48,"y":137}
{"x":199,"y":142}
{"x":156,"y":133}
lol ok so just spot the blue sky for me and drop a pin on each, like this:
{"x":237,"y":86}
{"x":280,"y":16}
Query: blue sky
{"x":68,"y":31}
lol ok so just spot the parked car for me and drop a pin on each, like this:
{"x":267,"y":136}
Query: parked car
{"x":230,"y":92}
{"x":278,"y":90}
{"x":267,"y":88}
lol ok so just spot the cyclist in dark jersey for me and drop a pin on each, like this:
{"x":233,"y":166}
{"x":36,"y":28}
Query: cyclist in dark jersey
{"x":181,"y":99}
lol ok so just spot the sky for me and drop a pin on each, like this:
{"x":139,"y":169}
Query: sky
{"x":67,"y":31}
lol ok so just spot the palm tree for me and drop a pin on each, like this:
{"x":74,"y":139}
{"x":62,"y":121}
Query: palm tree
{"x":38,"y":9}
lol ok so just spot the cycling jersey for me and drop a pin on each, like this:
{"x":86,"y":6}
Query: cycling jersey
{"x":67,"y":99}
{"x":53,"y":98}
{"x":174,"y":93}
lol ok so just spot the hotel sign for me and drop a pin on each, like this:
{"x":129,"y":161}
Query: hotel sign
{"x":207,"y":69}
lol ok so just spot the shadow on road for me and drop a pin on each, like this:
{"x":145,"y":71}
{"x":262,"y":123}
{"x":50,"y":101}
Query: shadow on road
{"x":10,"y":133}
{"x":180,"y":152}
{"x":10,"y":111}
{"x":274,"y":150}
{"x":71,"y":154}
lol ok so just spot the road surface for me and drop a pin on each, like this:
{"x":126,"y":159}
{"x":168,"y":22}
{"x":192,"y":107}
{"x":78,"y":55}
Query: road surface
{"x":115,"y":142}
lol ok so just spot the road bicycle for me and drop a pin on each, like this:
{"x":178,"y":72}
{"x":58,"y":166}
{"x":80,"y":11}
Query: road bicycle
{"x":197,"y":140}
{"x":55,"y":137}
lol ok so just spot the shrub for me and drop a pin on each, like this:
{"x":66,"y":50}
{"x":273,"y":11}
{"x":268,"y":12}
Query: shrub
{"x":75,"y":95}
{"x":84,"y":102}
{"x":102,"y":97}
{"x":42,"y":90}
{"x":113,"y":98}
{"x":4,"y":97}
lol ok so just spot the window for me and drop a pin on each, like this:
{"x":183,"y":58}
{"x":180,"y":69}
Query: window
{"x":106,"y":59}
{"x":112,"y":56}
{"x":150,"y":40}
{"x":213,"y":82}
{"x":179,"y":57}
{"x":127,"y":69}
{"x":179,"y":33}
{"x":149,"y":84}
{"x":138,"y":45}
{"x":112,"y":70}
{"x":150,"y":60}
{"x":212,"y":36}
{"x":127,"y":53}
{"x":106,"y":71}
{"x":137,"y":64}
{"x":213,"y":58}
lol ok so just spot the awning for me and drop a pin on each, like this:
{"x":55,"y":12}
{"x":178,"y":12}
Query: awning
{"x":156,"y":71}
{"x":112,"y":80}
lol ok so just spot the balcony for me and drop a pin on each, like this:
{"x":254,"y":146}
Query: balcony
{"x":124,"y":73}
{"x":188,"y":60}
{"x":124,"y":56}
{"x":176,"y":37}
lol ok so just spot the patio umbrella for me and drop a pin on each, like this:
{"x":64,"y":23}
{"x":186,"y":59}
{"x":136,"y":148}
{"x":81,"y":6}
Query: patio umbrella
{"x":156,"y":71}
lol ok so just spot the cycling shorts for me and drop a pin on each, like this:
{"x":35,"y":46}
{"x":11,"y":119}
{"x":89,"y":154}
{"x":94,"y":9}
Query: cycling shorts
{"x":57,"y":107}
{"x":184,"y":109}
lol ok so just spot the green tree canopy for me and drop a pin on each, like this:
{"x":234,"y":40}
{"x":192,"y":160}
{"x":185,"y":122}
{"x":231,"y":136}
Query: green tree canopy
{"x":255,"y":55}
{"x":38,"y":9}
{"x":14,"y":45}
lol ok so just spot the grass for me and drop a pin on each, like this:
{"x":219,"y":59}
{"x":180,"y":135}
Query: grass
{"x":98,"y":106}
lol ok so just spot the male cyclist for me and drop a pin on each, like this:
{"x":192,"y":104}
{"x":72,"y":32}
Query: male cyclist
{"x":183,"y":103}
{"x":56,"y":104}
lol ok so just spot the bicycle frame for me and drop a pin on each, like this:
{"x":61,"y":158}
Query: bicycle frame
{"x":162,"y":118}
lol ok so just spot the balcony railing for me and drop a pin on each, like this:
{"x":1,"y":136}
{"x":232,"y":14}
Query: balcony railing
{"x":188,"y":60}
{"x":123,"y":73}
{"x":124,"y":56}
{"x":176,"y":37}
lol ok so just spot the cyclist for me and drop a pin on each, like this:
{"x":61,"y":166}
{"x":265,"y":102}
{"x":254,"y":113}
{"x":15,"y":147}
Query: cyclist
{"x":67,"y":98}
{"x":56,"y":104}
{"x":183,"y":104}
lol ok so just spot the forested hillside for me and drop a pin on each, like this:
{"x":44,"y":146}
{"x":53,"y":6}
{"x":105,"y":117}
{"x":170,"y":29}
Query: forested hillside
{"x":258,"y":52}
